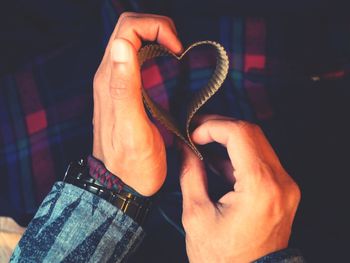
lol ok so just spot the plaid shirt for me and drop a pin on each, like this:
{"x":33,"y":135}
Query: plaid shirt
{"x":46,"y":90}
{"x":46,"y":103}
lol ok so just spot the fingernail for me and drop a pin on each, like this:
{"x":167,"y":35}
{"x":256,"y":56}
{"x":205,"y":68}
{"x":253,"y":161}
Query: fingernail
{"x":121,"y":51}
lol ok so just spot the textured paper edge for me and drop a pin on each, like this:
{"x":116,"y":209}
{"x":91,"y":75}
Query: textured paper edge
{"x":200,"y":98}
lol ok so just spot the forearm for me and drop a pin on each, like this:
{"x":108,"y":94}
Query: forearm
{"x":75,"y":225}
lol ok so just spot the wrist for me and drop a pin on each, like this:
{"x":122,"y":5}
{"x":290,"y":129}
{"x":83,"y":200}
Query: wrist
{"x":98,"y":171}
{"x":145,"y":173}
{"x":132,"y":205}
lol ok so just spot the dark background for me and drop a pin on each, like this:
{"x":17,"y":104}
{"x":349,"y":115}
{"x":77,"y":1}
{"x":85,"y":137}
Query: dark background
{"x":310,"y":128}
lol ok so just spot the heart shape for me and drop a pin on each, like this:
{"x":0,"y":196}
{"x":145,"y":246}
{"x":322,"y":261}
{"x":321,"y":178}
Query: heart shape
{"x":200,"y":98}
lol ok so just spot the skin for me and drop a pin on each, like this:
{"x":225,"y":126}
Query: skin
{"x":125,"y":140}
{"x":253,"y":219}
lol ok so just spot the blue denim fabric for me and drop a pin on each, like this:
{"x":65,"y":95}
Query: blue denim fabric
{"x":73,"y":225}
{"x":283,"y":256}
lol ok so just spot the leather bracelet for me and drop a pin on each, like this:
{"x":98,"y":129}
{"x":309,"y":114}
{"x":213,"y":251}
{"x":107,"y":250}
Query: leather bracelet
{"x":134,"y":206}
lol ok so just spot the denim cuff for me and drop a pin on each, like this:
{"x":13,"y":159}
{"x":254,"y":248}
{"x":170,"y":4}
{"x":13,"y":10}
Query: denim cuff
{"x":288,"y":255}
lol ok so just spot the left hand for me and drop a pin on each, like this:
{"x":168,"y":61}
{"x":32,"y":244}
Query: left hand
{"x":125,"y":140}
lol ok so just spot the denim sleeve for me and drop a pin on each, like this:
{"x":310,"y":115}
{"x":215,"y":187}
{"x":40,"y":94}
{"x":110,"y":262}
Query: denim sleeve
{"x":288,"y":255}
{"x":73,"y":225}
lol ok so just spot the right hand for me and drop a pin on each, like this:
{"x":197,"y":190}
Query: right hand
{"x":252,"y":220}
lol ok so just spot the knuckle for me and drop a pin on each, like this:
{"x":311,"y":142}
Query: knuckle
{"x":251,"y":126}
{"x":239,"y":124}
{"x":283,"y":199}
{"x":248,"y":125}
{"x":160,"y":19}
{"x":212,"y":123}
{"x":156,"y":24}
{"x":119,"y":89}
{"x":295,"y":193}
{"x":167,"y":20}
{"x":125,"y":15}
{"x":247,"y":128}
{"x":126,"y":20}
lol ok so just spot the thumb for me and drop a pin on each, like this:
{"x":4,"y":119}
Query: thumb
{"x":193,"y":179}
{"x":125,"y":80}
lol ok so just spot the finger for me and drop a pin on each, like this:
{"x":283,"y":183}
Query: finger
{"x":136,"y":27}
{"x":238,"y":137}
{"x":125,"y":81}
{"x":193,"y":179}
{"x":261,"y":139}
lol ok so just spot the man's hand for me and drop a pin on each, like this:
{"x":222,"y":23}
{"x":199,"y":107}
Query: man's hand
{"x":125,"y":140}
{"x":253,"y":220}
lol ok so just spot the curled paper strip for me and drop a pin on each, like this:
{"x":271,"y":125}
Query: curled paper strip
{"x":200,"y":98}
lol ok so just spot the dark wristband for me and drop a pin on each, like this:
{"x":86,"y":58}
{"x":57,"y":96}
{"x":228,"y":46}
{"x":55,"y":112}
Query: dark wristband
{"x":98,"y":171}
{"x":134,"y":206}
